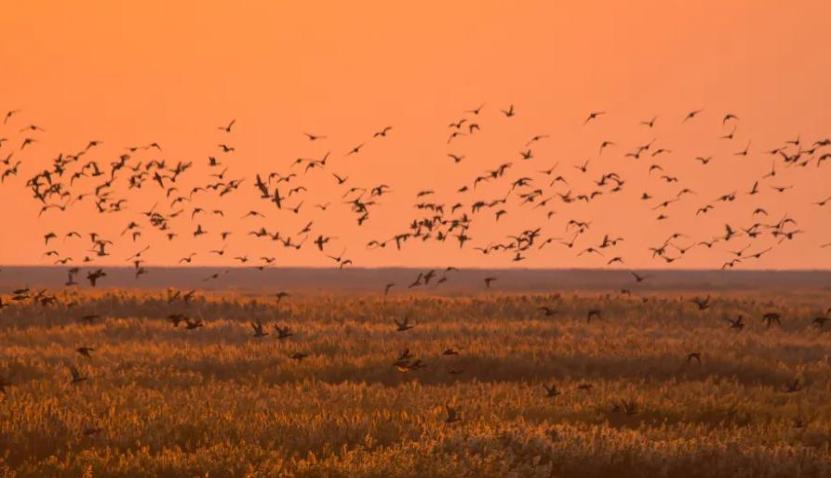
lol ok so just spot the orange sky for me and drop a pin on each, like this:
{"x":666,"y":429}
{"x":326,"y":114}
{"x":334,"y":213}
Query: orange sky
{"x":172,"y":72}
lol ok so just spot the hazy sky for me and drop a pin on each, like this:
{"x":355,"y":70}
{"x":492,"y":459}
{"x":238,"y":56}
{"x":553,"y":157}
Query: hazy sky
{"x":130,"y":73}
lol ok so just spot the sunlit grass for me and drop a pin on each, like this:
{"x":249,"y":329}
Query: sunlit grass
{"x":161,"y":400}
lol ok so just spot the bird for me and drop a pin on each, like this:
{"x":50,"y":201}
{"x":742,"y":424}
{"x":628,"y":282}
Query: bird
{"x":737,"y":324}
{"x":314,"y":137}
{"x":76,"y":376}
{"x":404,"y":325}
{"x":383,"y":132}
{"x":94,"y":276}
{"x":650,"y":123}
{"x":193,"y":324}
{"x":769,"y":318}
{"x":593,"y":115}
{"x":793,"y":387}
{"x":701,"y":303}
{"x":691,"y":115}
{"x":283,"y":332}
{"x":548,"y":311}
{"x":227,"y":128}
{"x":593,"y":313}
{"x":551,"y":391}
{"x":476,"y":110}
{"x":728,"y":117}
{"x":9,"y":115}
{"x":257,"y":326}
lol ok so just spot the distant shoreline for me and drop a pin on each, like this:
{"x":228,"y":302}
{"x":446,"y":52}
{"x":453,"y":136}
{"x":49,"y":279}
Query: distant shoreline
{"x":354,"y":279}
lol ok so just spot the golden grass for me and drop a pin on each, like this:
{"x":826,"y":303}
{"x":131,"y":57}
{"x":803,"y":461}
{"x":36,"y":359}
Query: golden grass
{"x":164,"y":401}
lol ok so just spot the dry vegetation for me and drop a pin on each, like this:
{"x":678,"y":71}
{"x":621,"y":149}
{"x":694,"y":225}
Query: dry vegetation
{"x":215,"y":401}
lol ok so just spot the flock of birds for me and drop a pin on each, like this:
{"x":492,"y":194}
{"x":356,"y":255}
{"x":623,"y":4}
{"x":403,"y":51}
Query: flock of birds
{"x":405,"y":362}
{"x":72,"y":180}
{"x":186,"y":196}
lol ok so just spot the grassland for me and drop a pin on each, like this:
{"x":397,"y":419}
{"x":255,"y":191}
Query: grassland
{"x":159,"y":400}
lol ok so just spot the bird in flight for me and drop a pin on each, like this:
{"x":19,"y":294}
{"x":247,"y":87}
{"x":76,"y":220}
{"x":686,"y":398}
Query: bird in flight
{"x":382,"y":133}
{"x":691,"y":115}
{"x":477,"y":110}
{"x":593,"y":115}
{"x":227,"y":128}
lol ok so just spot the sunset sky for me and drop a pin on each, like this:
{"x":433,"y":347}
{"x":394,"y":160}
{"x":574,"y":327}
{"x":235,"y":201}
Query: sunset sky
{"x":132,"y":73}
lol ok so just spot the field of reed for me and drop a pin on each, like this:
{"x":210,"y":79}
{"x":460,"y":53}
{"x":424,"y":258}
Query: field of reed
{"x":539,"y":385}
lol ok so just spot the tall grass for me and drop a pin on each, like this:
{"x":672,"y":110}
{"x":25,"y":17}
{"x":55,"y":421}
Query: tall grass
{"x":161,"y":400}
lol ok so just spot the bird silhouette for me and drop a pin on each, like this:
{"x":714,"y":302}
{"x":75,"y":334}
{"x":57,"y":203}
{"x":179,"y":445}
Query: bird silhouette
{"x":403,"y":325}
{"x":737,"y":324}
{"x":76,"y":377}
{"x":548,"y":311}
{"x":227,"y":128}
{"x":551,"y":391}
{"x":691,"y":115}
{"x":283,"y":332}
{"x":793,"y":387}
{"x":257,"y":326}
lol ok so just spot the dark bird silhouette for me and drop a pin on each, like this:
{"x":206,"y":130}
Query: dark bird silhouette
{"x":737,"y":324}
{"x":593,"y":115}
{"x":772,"y":317}
{"x":404,"y":325}
{"x":76,"y":376}
{"x":701,"y":303}
{"x":94,"y":276}
{"x":548,"y":311}
{"x":227,"y":128}
{"x":383,"y":132}
{"x":551,"y":391}
{"x":793,"y":387}
{"x":691,"y":115}
{"x":257,"y":326}
{"x":283,"y":332}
